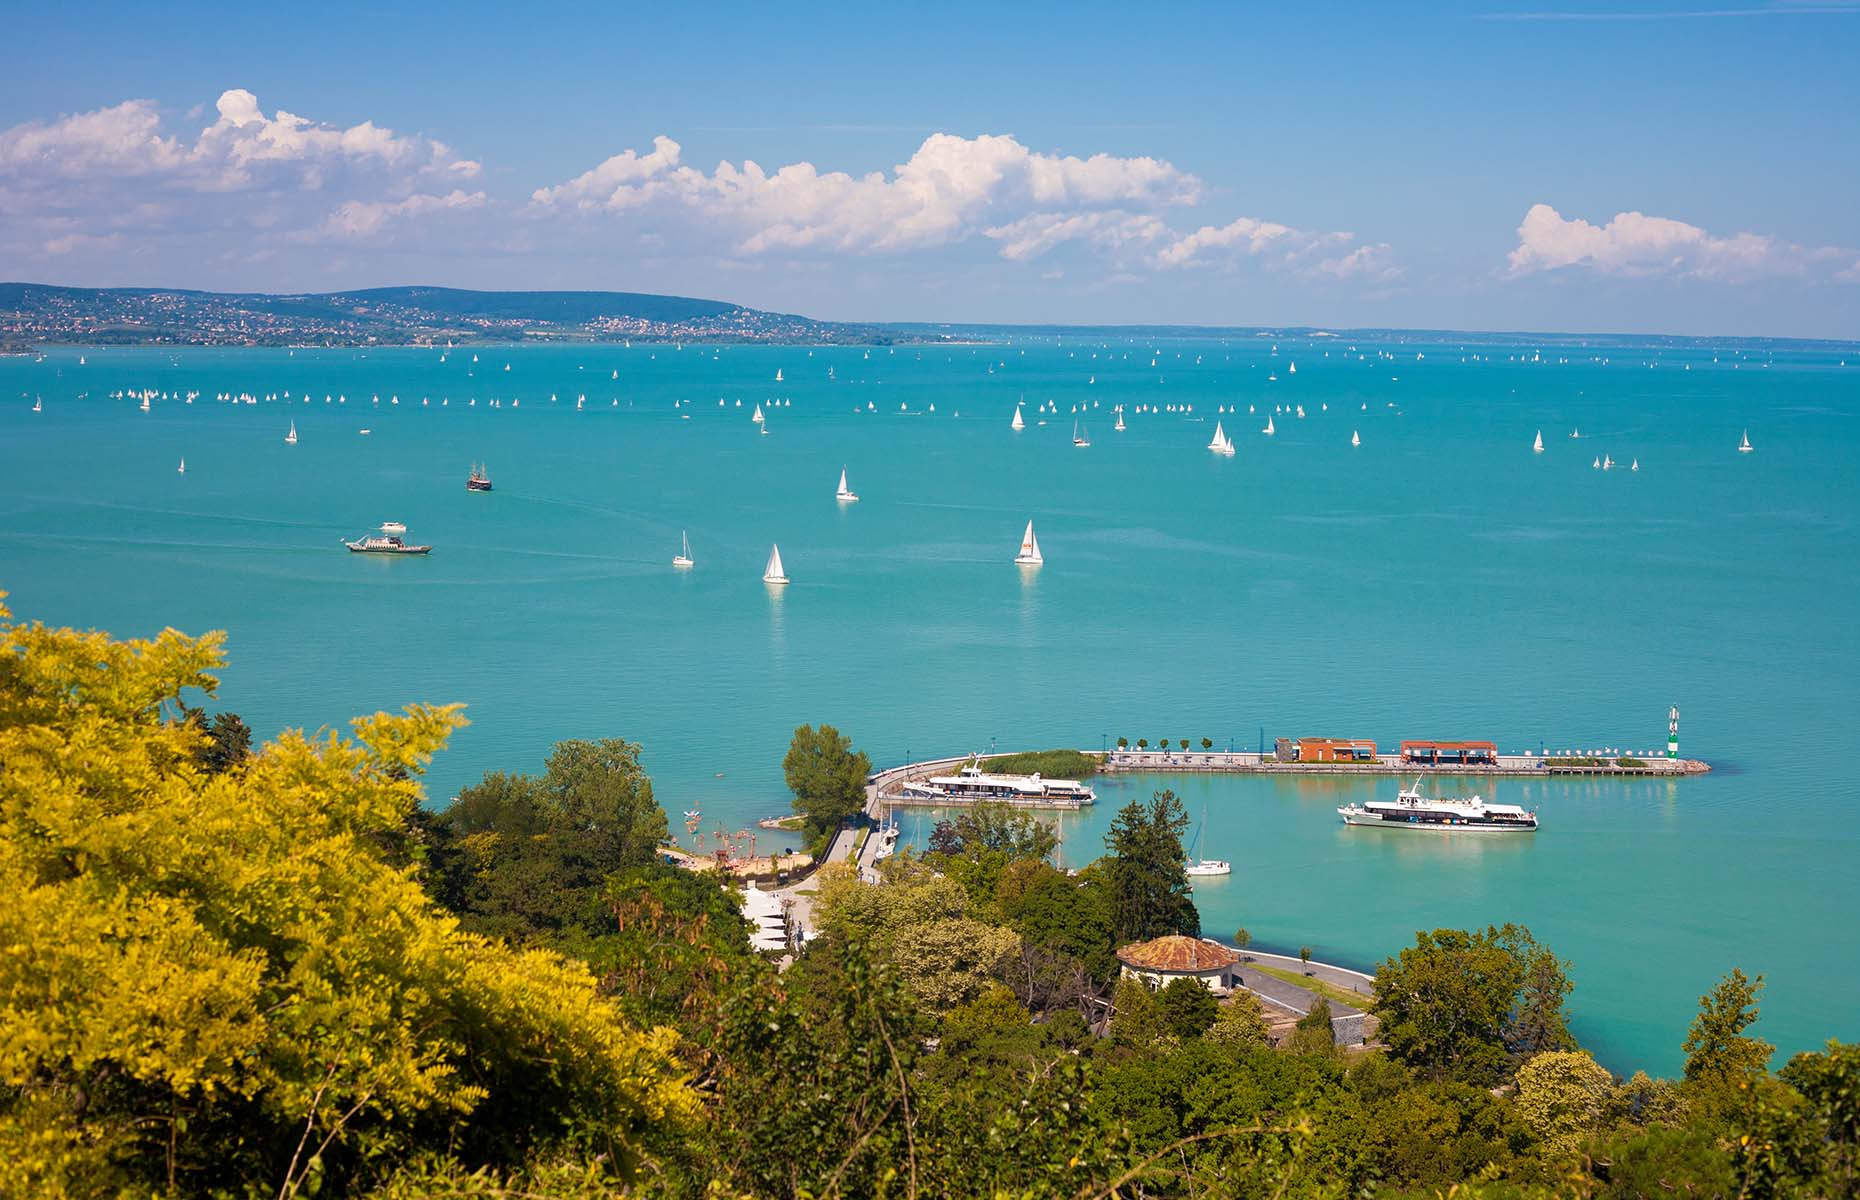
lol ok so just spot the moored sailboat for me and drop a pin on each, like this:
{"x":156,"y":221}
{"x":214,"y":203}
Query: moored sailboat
{"x":683,"y":557}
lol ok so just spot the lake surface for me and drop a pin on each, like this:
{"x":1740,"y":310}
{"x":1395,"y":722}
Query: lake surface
{"x":1439,"y":581}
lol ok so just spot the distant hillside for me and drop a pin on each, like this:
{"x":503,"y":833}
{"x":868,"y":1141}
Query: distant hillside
{"x":49,"y":313}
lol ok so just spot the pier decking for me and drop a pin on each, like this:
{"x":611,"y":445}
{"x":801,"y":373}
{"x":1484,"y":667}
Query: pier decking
{"x":1251,"y":762}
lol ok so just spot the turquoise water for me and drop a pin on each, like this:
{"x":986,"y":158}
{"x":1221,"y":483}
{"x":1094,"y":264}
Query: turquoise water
{"x":1440,"y":580}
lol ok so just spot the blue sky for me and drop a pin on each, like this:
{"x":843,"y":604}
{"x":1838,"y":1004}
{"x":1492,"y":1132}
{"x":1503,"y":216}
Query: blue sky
{"x":1661,"y":167}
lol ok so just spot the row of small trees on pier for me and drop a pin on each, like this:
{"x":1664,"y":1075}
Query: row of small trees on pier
{"x":1123,"y":743}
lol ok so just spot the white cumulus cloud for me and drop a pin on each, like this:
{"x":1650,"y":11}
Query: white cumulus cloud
{"x":950,"y":189}
{"x":1635,"y":244}
{"x":360,"y":218}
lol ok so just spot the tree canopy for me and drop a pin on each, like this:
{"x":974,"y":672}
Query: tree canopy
{"x":1467,"y":1005}
{"x":220,"y":982}
{"x":827,"y":778}
{"x":1150,"y":892}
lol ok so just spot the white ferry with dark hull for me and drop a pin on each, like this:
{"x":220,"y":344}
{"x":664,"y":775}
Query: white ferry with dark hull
{"x":973,"y":785}
{"x":1464,"y":814}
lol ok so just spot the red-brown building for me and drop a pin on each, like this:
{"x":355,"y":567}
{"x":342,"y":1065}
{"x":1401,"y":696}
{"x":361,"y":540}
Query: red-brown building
{"x":1336,"y":750}
{"x":1450,"y":753}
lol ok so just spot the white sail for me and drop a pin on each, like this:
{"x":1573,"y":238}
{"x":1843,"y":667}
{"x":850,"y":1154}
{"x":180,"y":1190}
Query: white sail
{"x":1744,"y":447}
{"x":777,"y":374}
{"x":1119,"y":427}
{"x":183,"y":466}
{"x":1017,"y":423}
{"x":1220,"y":439}
{"x":773,"y":573}
{"x":1268,"y":429}
{"x":683,"y":558}
{"x":758,"y":418}
{"x":290,"y":439}
{"x":1537,"y":446}
{"x":1356,"y":439}
{"x":1029,"y":555}
{"x":845,"y":493}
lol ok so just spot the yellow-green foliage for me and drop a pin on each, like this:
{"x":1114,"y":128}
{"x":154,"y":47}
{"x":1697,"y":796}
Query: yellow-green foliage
{"x":1562,"y":1096}
{"x":228,"y":981}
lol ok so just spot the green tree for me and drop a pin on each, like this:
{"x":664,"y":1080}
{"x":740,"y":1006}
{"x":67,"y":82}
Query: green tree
{"x":220,"y":984}
{"x":1137,"y":1020}
{"x":1183,"y":743}
{"x":1829,"y":1084}
{"x":1063,"y":914}
{"x":533,"y":853}
{"x":1449,"y":1004}
{"x":1123,"y":743}
{"x":1241,"y":1024}
{"x":1207,"y":744}
{"x":1150,"y":893}
{"x":1538,"y":1022}
{"x":1188,"y":1007}
{"x":1313,"y":1033}
{"x":1304,"y":958}
{"x":827,"y":778}
{"x":1242,"y":939}
{"x":1719,"y":1056}
{"x":1563,"y":1095}
{"x":1143,"y":743}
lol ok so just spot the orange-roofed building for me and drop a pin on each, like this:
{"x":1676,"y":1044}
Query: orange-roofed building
{"x":1166,"y":959}
{"x":1336,"y":750}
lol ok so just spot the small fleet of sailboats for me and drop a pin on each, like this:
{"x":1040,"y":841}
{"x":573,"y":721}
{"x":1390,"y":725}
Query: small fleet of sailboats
{"x":1222,"y":444}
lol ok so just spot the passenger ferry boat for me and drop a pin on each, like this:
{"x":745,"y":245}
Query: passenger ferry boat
{"x":390,"y":540}
{"x":1411,"y":810}
{"x":972,"y":784}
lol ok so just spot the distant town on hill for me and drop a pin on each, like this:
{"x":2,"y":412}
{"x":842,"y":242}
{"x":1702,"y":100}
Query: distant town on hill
{"x":32,"y":313}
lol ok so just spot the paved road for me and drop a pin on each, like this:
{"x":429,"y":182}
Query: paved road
{"x":1349,"y":1023}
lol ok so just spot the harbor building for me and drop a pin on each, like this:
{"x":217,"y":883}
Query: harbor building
{"x":1336,"y":750}
{"x":1166,"y":959}
{"x":1449,"y":754}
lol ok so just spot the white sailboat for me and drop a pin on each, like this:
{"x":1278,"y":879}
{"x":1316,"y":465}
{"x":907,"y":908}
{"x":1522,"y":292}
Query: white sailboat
{"x":1537,"y":447}
{"x":1222,"y":444}
{"x":1029,"y":555}
{"x":1743,"y":447}
{"x":683,"y":557}
{"x":1608,"y":463}
{"x":758,"y":418}
{"x":38,"y":404}
{"x":1635,"y":465}
{"x":845,"y":495}
{"x":184,"y":466}
{"x":1268,"y":430}
{"x":1018,"y":422}
{"x":1079,"y":436}
{"x":290,"y":439}
{"x":1355,"y":438}
{"x":1597,"y":464}
{"x":1206,"y":866}
{"x":773,"y":574}
{"x":777,"y":374}
{"x":145,"y":408}
{"x":1119,"y":427}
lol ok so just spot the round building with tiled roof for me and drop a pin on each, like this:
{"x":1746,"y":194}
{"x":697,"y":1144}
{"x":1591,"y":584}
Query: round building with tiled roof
{"x":1165,"y":959}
